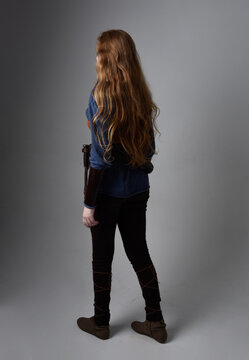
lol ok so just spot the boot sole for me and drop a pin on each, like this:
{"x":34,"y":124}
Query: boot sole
{"x":92,"y":333}
{"x":142,"y":333}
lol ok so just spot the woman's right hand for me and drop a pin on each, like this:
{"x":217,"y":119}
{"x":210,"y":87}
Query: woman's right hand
{"x":88,"y":217}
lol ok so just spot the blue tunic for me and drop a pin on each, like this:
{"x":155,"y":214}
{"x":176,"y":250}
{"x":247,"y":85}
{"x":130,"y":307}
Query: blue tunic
{"x":119,"y":180}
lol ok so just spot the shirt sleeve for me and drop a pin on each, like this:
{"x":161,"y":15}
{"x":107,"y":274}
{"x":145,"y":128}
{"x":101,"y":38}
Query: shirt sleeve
{"x":97,"y":152}
{"x":89,"y":207}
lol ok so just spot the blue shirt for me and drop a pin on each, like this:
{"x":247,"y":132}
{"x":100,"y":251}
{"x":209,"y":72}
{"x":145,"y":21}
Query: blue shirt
{"x":119,"y":180}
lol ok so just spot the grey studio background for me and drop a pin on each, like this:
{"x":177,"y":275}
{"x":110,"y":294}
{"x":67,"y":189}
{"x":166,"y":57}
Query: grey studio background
{"x":195,"y":57}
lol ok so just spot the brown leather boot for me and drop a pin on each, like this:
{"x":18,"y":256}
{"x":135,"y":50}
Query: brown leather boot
{"x":155,"y":329}
{"x":89,"y":325}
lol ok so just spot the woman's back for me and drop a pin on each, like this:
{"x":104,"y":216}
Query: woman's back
{"x":119,"y":179}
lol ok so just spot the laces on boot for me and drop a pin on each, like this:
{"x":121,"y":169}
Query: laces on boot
{"x":148,"y":285}
{"x":100,"y":288}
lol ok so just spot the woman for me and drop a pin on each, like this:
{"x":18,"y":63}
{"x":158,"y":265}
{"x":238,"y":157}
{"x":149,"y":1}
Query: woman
{"x":121,"y":116}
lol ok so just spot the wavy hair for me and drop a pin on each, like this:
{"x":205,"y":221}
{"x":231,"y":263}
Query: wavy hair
{"x":125,"y":105}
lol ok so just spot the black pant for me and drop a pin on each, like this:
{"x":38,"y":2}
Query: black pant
{"x":130,"y":216}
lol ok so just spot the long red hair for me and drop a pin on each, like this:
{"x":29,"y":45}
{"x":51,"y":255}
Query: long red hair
{"x":123,"y":98}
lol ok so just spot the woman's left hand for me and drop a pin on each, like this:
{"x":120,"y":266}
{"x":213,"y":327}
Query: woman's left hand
{"x":88,"y":217}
